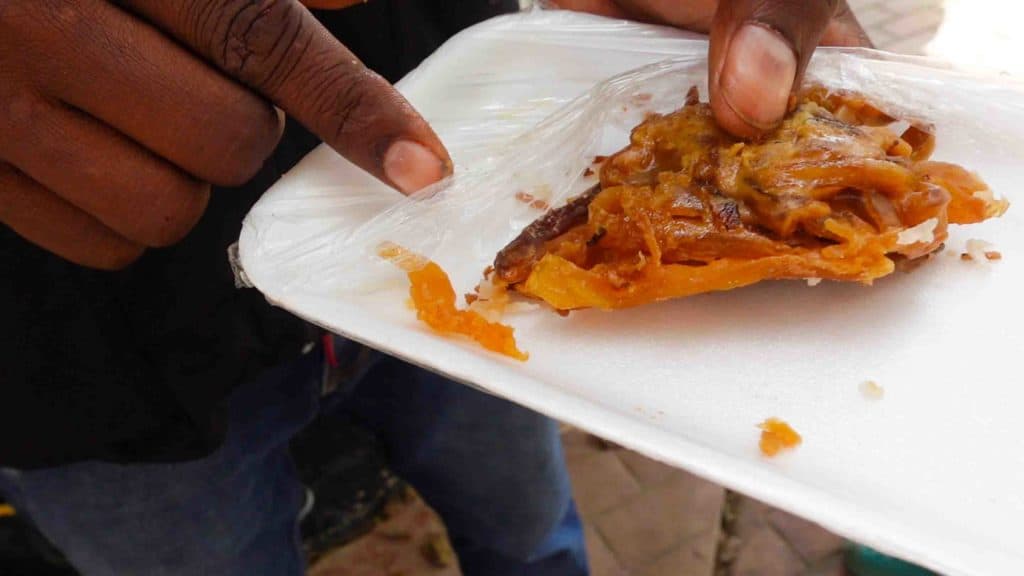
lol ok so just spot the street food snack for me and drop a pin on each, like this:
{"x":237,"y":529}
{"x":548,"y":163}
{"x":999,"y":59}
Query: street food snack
{"x":836,"y":192}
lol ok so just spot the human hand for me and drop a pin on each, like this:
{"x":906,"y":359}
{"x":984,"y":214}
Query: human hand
{"x":759,"y":48}
{"x":117,"y":115}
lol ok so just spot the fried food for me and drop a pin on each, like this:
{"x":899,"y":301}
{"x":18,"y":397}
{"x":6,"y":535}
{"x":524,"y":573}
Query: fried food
{"x":433,"y":297}
{"x":833,"y":193}
{"x":776,"y":436}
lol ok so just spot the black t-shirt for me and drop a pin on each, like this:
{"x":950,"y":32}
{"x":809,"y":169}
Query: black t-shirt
{"x":135,"y":365}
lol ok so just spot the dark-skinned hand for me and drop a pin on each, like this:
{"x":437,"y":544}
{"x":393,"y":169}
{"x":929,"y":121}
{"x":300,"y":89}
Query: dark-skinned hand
{"x":117,"y":116}
{"x":759,"y":48}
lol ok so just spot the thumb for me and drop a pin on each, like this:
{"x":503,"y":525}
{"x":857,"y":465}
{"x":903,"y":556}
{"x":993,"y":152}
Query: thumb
{"x":759,"y":51}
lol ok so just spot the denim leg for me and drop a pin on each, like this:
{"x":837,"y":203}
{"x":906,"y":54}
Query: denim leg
{"x":494,"y":471}
{"x":233,"y":513}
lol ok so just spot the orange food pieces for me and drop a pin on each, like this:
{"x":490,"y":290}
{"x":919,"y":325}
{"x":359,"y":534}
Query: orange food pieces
{"x":971,"y":201}
{"x":685,"y":208}
{"x":433,"y":297}
{"x":776,"y":436}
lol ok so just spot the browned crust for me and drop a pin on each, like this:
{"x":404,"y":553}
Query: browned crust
{"x":514,"y":262}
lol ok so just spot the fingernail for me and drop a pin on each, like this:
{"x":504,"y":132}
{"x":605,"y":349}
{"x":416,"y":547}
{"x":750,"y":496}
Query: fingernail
{"x":411,"y":166}
{"x":758,"y":75}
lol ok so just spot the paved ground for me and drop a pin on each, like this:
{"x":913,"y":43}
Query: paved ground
{"x":408,"y":540}
{"x":646,"y":519}
{"x":643,"y":518}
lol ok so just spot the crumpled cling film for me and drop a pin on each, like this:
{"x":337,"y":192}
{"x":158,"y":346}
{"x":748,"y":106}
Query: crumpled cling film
{"x":462,"y":222}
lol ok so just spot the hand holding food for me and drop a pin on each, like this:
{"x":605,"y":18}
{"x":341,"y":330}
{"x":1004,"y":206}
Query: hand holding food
{"x":759,"y":48}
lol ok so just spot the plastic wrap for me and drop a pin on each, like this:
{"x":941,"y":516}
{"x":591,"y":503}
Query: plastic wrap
{"x":462,"y":222}
{"x":931,"y":472}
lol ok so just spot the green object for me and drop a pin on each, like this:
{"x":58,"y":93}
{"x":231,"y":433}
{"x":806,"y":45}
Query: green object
{"x":861,"y":561}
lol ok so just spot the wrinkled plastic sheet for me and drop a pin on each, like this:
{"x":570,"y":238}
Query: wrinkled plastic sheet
{"x":932,"y":472}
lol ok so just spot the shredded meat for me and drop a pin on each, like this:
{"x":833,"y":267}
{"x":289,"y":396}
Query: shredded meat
{"x":833,"y":193}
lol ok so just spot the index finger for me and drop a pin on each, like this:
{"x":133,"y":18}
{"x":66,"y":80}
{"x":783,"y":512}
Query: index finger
{"x":279,"y":49}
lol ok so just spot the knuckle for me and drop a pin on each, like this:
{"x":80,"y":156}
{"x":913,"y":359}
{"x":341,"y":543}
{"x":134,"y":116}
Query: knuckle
{"x":352,"y":104}
{"x":68,"y":14}
{"x":176,"y":214}
{"x":253,"y":39}
{"x":42,"y":21}
{"x":67,"y":18}
{"x":247,"y":143}
{"x":33,"y":35}
{"x":22,"y":110}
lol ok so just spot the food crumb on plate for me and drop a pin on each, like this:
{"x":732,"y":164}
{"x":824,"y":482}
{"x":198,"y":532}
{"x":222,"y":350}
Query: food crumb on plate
{"x":872,"y":390}
{"x":978,"y":250}
{"x":433,"y":298}
{"x":777,"y":435}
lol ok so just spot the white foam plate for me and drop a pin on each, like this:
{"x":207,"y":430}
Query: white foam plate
{"x":933,"y":472}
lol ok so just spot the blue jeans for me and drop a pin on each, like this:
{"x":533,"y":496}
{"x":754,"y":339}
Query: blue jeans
{"x":492,"y":470}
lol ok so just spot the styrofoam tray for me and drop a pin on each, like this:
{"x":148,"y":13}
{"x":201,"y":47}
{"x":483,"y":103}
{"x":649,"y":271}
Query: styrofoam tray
{"x":934,"y":472}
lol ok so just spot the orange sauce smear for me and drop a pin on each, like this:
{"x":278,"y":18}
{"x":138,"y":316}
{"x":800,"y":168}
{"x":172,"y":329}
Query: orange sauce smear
{"x":776,"y":436}
{"x":433,"y":297}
